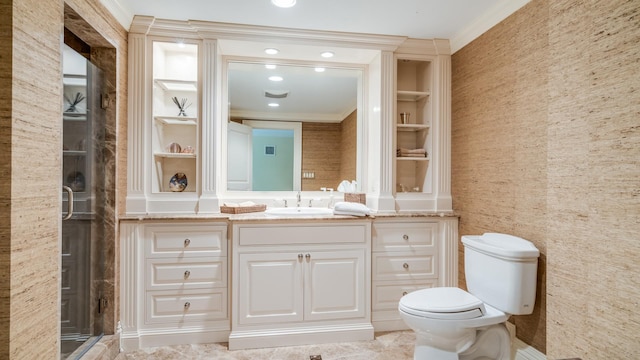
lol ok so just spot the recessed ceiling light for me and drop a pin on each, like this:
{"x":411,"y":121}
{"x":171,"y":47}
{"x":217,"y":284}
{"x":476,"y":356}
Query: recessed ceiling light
{"x":327,"y":54}
{"x":275,"y":78}
{"x":271,"y":51}
{"x":274,"y":104}
{"x":319,"y":69}
{"x":283,"y":3}
{"x":270,"y":66}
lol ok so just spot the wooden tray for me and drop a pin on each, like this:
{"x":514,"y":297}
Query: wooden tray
{"x":242,"y":209}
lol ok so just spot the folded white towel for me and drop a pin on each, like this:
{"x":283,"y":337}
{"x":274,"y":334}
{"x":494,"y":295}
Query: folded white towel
{"x":351,"y":208}
{"x":242,"y":204}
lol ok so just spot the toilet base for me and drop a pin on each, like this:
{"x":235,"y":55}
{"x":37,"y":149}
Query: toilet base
{"x":492,"y":342}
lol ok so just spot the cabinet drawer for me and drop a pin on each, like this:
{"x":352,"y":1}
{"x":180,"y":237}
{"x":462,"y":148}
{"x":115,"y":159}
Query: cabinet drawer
{"x":397,"y":267}
{"x":386,"y":295}
{"x":185,"y":306}
{"x":185,"y":240}
{"x":320,"y":233}
{"x":186,"y":273}
{"x":403,"y":236}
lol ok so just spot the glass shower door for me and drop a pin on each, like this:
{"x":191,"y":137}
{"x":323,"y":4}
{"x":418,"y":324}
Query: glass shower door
{"x":81,"y":321}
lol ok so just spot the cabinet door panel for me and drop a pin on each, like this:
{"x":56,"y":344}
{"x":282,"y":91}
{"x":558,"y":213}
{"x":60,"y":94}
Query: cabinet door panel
{"x":334,"y":285}
{"x":270,"y":288}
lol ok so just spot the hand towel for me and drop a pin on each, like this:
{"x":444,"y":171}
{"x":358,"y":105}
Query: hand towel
{"x":350,"y":208}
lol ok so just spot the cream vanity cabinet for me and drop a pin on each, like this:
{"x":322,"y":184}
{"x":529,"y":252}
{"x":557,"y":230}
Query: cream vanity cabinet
{"x":174,"y":283}
{"x":300,"y":283}
{"x":409,"y":254}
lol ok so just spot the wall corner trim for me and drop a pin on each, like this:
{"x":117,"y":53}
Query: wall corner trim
{"x":123,"y":14}
{"x":494,"y":15}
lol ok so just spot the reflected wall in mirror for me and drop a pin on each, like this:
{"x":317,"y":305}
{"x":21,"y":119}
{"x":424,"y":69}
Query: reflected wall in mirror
{"x":298,"y":132}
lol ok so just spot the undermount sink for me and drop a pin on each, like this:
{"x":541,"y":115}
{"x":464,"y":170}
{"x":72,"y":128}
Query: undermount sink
{"x":298,"y":211}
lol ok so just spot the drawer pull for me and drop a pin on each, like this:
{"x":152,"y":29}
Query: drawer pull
{"x":187,"y":305}
{"x":187,"y":241}
{"x":404,"y":293}
{"x":300,"y":257}
{"x":308,"y":256}
{"x":405,"y":265}
{"x":187,"y":274}
{"x":405,"y":237}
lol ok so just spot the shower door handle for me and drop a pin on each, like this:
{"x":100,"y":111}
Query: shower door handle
{"x":69,"y":203}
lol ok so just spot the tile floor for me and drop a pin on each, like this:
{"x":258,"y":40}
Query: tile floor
{"x":397,"y":345}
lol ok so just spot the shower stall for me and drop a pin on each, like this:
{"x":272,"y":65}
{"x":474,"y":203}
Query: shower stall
{"x":83,"y":204}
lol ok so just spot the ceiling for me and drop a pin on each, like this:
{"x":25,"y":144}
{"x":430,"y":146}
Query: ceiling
{"x":460,"y":21}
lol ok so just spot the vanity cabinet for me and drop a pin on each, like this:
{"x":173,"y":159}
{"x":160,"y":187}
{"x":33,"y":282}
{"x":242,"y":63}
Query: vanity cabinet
{"x":175,"y":287}
{"x":300,"y":283}
{"x":407,"y":255}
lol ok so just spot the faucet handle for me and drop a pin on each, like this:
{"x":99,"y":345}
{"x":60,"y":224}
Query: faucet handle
{"x":312,"y":200}
{"x":283,"y":200}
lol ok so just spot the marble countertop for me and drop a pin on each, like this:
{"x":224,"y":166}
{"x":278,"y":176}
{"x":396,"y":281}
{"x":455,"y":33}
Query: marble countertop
{"x":261,"y":216}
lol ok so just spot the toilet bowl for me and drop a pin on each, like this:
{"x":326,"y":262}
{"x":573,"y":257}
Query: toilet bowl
{"x":451,"y":323}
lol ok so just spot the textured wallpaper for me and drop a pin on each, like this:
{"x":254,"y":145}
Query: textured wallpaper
{"x":546,"y":146}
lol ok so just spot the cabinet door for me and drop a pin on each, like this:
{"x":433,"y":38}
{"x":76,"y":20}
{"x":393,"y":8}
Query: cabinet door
{"x":335,"y":285}
{"x":270,"y":288}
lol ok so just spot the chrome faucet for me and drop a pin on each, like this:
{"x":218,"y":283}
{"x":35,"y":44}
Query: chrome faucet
{"x":299,"y":198}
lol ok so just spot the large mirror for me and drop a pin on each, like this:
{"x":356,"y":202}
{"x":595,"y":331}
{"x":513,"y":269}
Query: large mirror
{"x":292,"y":127}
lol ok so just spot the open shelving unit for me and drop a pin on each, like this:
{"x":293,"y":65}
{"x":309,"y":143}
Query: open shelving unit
{"x":413,"y":92}
{"x":175,"y":76}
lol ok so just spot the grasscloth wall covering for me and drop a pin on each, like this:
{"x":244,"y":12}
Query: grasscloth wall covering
{"x":546,"y":145}
{"x":30,"y":134}
{"x":30,"y":193}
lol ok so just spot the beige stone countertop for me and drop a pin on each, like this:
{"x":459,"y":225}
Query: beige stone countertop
{"x":261,"y":216}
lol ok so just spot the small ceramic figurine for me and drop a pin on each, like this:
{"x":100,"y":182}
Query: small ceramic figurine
{"x":188,"y":150}
{"x":178,"y":182}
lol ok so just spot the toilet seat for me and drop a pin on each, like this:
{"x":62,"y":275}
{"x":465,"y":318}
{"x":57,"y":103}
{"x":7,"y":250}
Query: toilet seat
{"x":443,"y":303}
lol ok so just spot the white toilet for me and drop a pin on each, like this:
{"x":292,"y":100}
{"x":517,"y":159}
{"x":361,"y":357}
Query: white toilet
{"x":451,"y":323}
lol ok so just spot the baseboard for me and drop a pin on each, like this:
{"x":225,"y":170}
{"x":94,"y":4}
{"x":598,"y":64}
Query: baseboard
{"x":257,"y":339}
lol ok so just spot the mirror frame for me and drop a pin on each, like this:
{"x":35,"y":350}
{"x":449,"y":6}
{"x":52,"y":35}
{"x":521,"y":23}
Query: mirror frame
{"x":361,"y":115}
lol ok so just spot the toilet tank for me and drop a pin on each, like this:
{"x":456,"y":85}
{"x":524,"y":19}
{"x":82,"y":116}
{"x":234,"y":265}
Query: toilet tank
{"x":501,"y":270}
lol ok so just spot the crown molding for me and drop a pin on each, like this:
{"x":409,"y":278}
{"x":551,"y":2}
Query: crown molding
{"x":123,"y":14}
{"x":489,"y":19}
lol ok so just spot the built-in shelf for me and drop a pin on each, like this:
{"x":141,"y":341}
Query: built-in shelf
{"x":176,"y":120}
{"x":404,"y":95}
{"x":411,"y":158}
{"x":74,"y":116}
{"x":412,"y":127}
{"x":175,"y":155}
{"x":74,"y":152}
{"x":177,"y":85}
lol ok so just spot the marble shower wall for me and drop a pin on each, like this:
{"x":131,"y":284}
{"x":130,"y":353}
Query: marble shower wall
{"x":30,"y":195}
{"x":546,"y":145}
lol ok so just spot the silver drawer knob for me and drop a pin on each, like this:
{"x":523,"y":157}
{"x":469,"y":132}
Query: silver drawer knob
{"x":308,"y":256}
{"x":187,"y":274}
{"x":187,"y":305}
{"x":300,"y":257}
{"x":187,"y":242}
{"x":405,"y":237}
{"x":405,"y":265}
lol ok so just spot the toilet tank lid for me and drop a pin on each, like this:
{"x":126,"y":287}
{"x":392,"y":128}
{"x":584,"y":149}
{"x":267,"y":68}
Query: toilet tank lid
{"x":504,"y":245}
